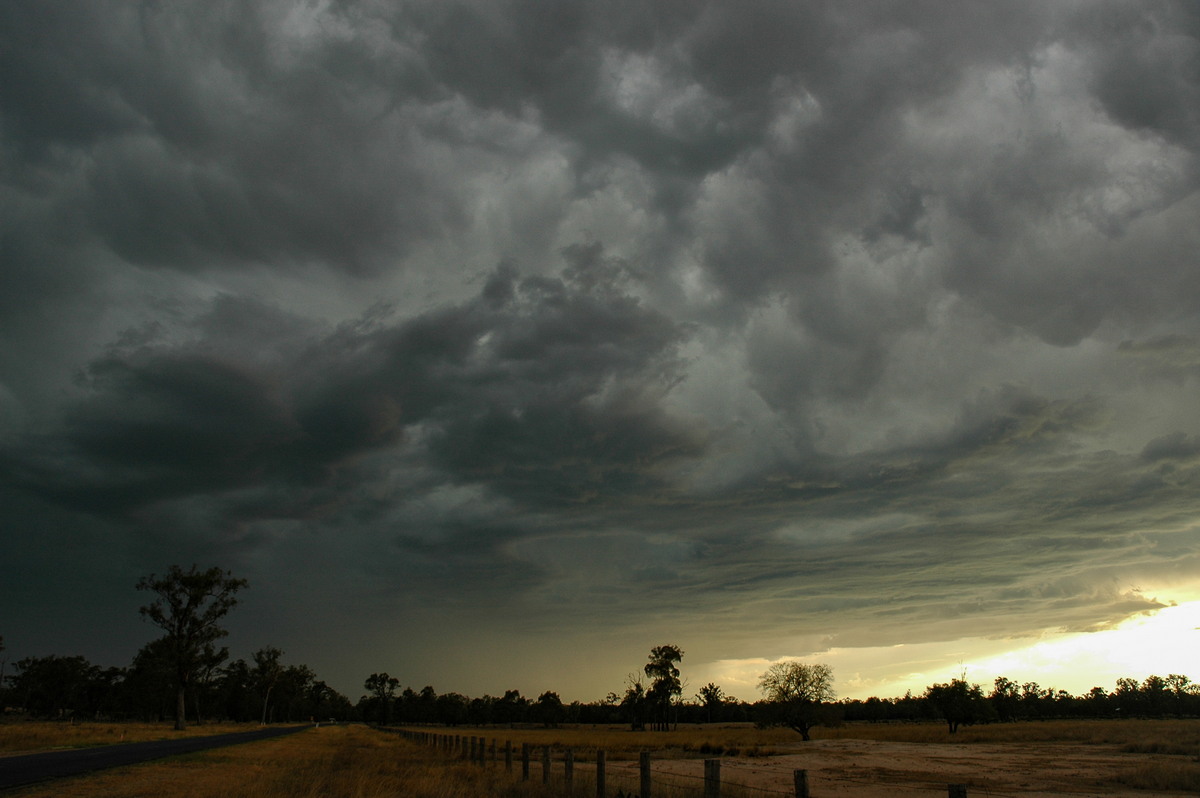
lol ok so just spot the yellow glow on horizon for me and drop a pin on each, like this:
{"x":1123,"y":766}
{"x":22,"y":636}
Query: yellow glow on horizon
{"x":1164,"y":642}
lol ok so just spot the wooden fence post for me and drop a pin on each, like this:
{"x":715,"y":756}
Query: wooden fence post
{"x":800,"y":777}
{"x":644,"y":767}
{"x":599,"y":774}
{"x":508,"y":755}
{"x":524,"y":761}
{"x":568,"y":768}
{"x":545,"y":764}
{"x":712,"y":778}
{"x":958,"y":790}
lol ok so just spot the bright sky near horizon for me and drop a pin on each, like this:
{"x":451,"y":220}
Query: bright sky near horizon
{"x":498,"y":342}
{"x":1160,"y":643}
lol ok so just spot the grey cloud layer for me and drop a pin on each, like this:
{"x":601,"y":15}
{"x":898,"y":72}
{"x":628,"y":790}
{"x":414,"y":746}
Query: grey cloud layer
{"x":796,"y":322}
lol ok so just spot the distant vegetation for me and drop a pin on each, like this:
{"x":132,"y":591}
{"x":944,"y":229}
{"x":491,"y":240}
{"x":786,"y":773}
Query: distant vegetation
{"x":183,"y":676}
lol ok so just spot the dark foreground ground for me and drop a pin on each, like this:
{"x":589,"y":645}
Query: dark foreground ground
{"x":17,"y":771}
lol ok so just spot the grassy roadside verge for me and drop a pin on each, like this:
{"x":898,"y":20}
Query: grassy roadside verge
{"x":31,"y":737}
{"x":326,"y":762}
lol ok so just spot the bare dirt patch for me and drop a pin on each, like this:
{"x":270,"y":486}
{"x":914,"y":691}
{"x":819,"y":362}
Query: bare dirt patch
{"x":874,"y":769}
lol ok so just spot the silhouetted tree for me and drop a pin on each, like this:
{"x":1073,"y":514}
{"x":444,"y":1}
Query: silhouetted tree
{"x":266,"y":673}
{"x":383,"y":690}
{"x":634,"y":703}
{"x":481,"y":711}
{"x":1182,"y":690}
{"x":795,"y":694}
{"x":292,"y":698}
{"x":1127,"y":697}
{"x":958,"y":703}
{"x":207,"y":670}
{"x":189,"y":607}
{"x":325,"y":702}
{"x":549,"y":709}
{"x":1005,"y":698}
{"x":427,"y":704}
{"x":665,"y":684}
{"x":452,"y":708}
{"x":510,"y":708}
{"x":239,"y":695}
{"x":711,"y":697}
{"x":61,"y":687}
{"x":1033,"y":703}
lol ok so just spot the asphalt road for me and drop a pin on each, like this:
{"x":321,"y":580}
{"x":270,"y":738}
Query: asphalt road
{"x":16,"y":771}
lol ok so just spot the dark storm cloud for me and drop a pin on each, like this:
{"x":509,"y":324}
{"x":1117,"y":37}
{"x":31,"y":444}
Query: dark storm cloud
{"x":193,"y":138}
{"x":814,"y":324}
{"x":943,"y":537}
{"x":543,"y":388}
{"x":1147,"y":75}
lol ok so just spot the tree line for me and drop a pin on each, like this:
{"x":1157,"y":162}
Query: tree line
{"x":183,"y":675}
{"x":796,"y":695}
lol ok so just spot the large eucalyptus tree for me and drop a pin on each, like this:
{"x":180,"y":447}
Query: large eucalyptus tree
{"x":189,"y":606}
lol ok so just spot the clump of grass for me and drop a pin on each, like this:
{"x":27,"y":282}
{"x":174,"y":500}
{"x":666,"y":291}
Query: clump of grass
{"x":1163,"y":777}
{"x":1172,"y":747}
{"x":754,"y":751}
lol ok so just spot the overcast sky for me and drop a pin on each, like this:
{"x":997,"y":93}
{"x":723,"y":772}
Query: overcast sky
{"x":495,"y":343}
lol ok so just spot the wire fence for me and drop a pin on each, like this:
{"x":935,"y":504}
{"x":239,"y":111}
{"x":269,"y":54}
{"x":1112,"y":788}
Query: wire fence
{"x":561,"y":772}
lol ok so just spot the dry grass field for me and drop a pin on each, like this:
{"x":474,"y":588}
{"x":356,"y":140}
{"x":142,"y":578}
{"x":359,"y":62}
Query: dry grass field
{"x":24,"y":737}
{"x":691,"y":740}
{"x":1033,"y":760}
{"x":618,"y":743}
{"x":1126,"y":759}
{"x":325,"y":762}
